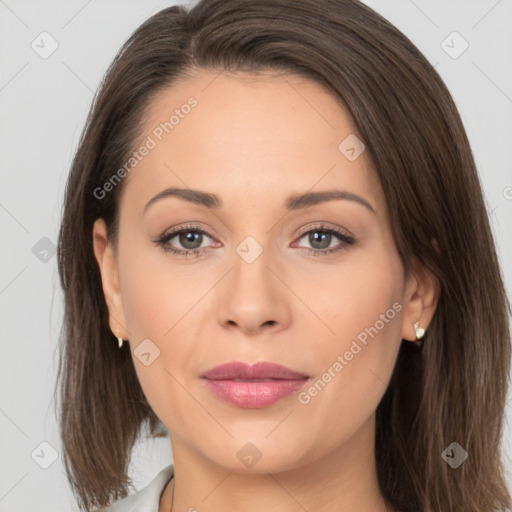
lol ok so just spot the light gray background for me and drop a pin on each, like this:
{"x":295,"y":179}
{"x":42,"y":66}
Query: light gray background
{"x":44,"y":103}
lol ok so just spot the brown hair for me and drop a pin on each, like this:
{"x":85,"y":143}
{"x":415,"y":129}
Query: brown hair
{"x":453,"y":389}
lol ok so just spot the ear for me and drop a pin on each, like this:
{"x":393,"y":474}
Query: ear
{"x":107,"y":263}
{"x":421,"y":297}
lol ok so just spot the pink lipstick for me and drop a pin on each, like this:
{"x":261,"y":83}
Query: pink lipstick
{"x":253,"y":386}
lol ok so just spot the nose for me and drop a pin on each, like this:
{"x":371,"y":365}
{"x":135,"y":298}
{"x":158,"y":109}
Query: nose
{"x":254,"y":299}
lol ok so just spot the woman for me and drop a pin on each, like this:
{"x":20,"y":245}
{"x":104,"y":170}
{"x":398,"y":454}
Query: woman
{"x":274,"y":245}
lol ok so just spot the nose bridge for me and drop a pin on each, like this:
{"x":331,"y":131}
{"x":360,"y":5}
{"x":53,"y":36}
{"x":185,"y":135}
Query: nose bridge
{"x":251,"y":273}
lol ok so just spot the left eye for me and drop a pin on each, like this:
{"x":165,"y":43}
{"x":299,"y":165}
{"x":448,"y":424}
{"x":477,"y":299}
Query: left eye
{"x":320,"y":239}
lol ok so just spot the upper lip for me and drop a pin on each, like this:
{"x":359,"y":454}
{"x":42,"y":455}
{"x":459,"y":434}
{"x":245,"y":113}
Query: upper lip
{"x":261,"y":370}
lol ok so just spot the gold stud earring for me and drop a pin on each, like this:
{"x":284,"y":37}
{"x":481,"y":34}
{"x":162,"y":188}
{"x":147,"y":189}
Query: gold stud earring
{"x":419,"y":330}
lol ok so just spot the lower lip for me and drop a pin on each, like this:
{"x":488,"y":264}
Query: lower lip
{"x":254,"y":394}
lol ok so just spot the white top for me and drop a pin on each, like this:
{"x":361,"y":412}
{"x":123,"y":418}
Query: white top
{"x":148,"y":498}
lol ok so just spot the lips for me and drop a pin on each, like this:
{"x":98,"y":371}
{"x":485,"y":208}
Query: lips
{"x":258,"y":371}
{"x":253,"y":386}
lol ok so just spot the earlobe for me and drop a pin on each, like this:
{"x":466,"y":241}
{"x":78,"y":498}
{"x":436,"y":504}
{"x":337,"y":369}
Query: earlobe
{"x":421,"y":299}
{"x":107,"y":264}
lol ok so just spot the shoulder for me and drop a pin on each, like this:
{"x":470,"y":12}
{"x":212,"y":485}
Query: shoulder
{"x":148,"y":498}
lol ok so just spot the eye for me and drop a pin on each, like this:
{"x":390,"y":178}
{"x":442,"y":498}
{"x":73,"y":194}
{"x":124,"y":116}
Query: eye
{"x":320,"y":238}
{"x":189,"y":237}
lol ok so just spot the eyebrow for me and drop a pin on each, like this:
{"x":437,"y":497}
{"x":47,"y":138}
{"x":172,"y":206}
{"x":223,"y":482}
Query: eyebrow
{"x":294,"y":202}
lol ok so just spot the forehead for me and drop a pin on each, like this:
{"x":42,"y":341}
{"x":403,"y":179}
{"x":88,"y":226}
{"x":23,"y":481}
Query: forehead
{"x":260,"y":135}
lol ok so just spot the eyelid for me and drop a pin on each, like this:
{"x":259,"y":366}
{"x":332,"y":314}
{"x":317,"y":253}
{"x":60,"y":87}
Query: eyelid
{"x":324,"y":226}
{"x":190,"y":226}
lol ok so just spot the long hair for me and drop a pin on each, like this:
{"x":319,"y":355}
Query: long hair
{"x":452,"y":390}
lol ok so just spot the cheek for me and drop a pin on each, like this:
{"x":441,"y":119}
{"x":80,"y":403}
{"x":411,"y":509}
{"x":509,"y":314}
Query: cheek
{"x":369,"y":326}
{"x":148,"y":308}
{"x":158,"y":303}
{"x":353,"y":367}
{"x":151,"y":292}
{"x":353,"y":295}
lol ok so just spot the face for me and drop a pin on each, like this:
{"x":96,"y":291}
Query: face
{"x":250,"y":275}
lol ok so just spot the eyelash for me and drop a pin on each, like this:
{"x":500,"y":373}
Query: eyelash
{"x":346,"y":239}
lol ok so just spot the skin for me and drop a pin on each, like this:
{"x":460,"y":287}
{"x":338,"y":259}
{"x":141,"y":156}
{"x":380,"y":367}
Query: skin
{"x":253,"y":141}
